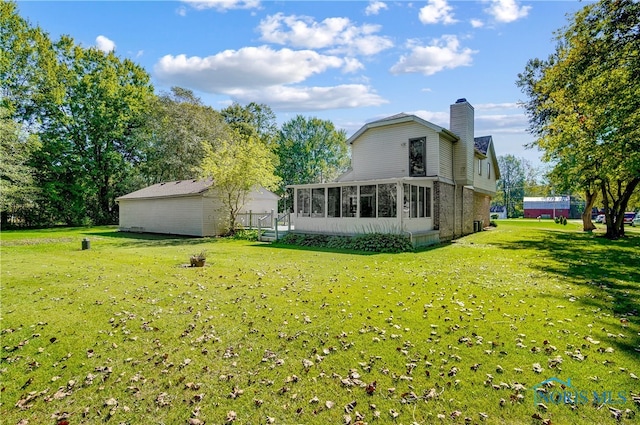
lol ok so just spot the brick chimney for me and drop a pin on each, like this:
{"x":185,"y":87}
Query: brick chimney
{"x":461,"y":117}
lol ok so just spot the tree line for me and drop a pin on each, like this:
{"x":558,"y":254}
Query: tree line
{"x":80,"y":127}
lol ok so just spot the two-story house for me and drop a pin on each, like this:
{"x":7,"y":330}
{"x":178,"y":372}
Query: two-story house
{"x":407,"y":176}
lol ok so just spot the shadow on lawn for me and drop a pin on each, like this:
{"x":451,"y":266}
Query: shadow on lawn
{"x":609,"y":269}
{"x":149,"y":239}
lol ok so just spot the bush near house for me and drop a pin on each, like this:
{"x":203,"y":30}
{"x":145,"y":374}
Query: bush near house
{"x":372,"y":242}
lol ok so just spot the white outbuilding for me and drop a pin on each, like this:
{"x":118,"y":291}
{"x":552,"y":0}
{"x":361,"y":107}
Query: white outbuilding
{"x":185,"y":207}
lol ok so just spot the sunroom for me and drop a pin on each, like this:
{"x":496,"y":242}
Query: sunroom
{"x":399,"y":205}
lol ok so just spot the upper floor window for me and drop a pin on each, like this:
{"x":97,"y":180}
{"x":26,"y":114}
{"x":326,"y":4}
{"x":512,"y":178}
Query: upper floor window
{"x":479,"y":167}
{"x":488,"y":170}
{"x":417,"y":157}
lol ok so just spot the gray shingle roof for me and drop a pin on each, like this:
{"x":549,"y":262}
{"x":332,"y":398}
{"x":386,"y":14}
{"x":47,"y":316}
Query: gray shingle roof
{"x":171,"y":189}
{"x":482,"y":143}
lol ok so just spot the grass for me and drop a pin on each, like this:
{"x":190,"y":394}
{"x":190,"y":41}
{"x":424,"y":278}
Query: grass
{"x":124,"y":333}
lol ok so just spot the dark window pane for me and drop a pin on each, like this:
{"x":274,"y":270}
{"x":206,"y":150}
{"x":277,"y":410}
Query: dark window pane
{"x":387,"y":200}
{"x":317,"y":202}
{"x":414,"y":201}
{"x":368,"y":201}
{"x":349,"y":201}
{"x":421,"y":201}
{"x":304,"y":202}
{"x":417,"y":153}
{"x":427,"y":205}
{"x":406,"y":194}
{"x":333,"y":202}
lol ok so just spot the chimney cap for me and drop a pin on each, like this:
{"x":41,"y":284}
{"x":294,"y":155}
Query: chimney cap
{"x":461,"y":100}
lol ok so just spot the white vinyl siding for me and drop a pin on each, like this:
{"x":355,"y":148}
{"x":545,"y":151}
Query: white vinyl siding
{"x":176,"y":216}
{"x":383,"y":152}
{"x":446,"y":158}
{"x":197,"y":215}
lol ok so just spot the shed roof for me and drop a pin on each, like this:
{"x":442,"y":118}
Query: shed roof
{"x":171,"y":189}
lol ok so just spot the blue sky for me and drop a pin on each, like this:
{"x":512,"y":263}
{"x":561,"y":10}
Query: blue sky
{"x":346,"y":61}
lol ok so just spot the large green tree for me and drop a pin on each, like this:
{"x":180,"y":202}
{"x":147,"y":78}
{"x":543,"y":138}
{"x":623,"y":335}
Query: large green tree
{"x":254,"y":119}
{"x":177,"y":126}
{"x":310,"y":150}
{"x":86,"y":106}
{"x":18,"y":191}
{"x":92,"y":131}
{"x":584,"y":107}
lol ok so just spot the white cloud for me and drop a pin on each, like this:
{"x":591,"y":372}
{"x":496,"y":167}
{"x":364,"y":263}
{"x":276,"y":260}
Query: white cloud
{"x":477,"y":23}
{"x":104,"y":44}
{"x":375,"y":7}
{"x":437,"y":11}
{"x":222,"y":5}
{"x":265,"y":75}
{"x":352,"y":65}
{"x":245,"y":68}
{"x":442,"y":53}
{"x":492,"y":106}
{"x":507,"y":10}
{"x":436,"y":117}
{"x":340,"y":35}
{"x":287,"y":98}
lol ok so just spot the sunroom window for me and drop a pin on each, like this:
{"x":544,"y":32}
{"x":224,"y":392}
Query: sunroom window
{"x":317,"y":202}
{"x":333,"y":202}
{"x":349,"y":201}
{"x":304,"y":202}
{"x":368,"y":201}
{"x":387,"y":205}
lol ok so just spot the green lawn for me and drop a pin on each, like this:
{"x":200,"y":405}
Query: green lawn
{"x":123,"y":333}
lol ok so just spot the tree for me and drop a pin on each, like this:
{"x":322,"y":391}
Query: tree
{"x":584,"y":107}
{"x":85,"y":106}
{"x":177,"y":127}
{"x":254,"y":119}
{"x":17,"y":187}
{"x":238,"y":165}
{"x":511,"y":183}
{"x":91,"y":132}
{"x":310,"y":150}
{"x":27,"y":64}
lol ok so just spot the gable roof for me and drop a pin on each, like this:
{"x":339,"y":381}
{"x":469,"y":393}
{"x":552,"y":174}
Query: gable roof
{"x":402,"y":118}
{"x":171,"y":189}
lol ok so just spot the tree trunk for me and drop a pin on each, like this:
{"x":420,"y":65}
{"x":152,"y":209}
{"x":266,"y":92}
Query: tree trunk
{"x":615,"y":213}
{"x":587,"y":224}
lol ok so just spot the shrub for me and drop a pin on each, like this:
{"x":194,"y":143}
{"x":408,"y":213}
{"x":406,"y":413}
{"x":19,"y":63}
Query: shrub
{"x":495,"y":216}
{"x":371,"y":242}
{"x":493,"y":224}
{"x":245,"y":234}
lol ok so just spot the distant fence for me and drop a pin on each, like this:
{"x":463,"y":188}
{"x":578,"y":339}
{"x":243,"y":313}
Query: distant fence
{"x":250,"y":220}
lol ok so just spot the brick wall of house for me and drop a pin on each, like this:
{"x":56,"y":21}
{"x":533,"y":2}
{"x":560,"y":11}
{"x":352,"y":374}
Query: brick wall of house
{"x":467,"y":211}
{"x":445,"y":193}
{"x":481,"y":205}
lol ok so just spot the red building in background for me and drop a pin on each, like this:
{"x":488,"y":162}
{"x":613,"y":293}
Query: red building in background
{"x":547,"y":207}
